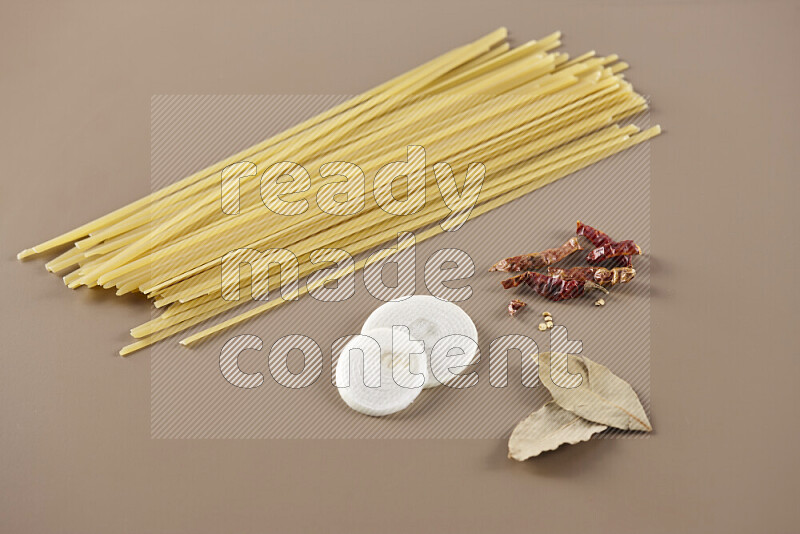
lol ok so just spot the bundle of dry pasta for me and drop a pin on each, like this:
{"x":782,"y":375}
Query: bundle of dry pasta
{"x":530,"y":115}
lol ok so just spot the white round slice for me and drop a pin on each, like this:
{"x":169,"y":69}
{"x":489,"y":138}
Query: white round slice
{"x":430,"y":319}
{"x":377,"y":379}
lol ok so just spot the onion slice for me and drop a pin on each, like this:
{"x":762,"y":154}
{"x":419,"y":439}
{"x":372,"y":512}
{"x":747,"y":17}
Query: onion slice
{"x":430,"y":320}
{"x":376,"y":377}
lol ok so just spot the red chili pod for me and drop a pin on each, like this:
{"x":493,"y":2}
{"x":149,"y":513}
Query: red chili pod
{"x":529,"y":262}
{"x":613,"y":250}
{"x":594,"y":235}
{"x":600,"y":239}
{"x":551,"y":287}
{"x":598,"y":275}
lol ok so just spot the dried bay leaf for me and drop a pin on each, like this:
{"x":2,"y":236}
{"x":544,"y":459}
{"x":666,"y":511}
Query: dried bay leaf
{"x":546,"y":429}
{"x":601,"y":397}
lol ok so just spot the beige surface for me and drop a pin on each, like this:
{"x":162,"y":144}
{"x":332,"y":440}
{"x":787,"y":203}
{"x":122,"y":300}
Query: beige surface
{"x":76,"y":454}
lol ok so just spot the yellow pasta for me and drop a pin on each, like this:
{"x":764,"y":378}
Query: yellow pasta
{"x":531,"y":114}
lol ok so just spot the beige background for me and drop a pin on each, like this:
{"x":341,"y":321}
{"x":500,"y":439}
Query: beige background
{"x":75,"y":83}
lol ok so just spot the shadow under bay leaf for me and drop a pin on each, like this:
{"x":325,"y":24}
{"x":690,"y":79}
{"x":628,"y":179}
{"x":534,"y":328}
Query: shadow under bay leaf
{"x":570,"y":460}
{"x":565,"y":461}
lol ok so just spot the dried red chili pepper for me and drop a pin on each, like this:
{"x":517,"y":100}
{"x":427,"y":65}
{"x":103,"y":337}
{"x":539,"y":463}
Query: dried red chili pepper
{"x":594,"y":235}
{"x":552,"y":287}
{"x":529,"y":262}
{"x":514,"y":306}
{"x":514,"y":281}
{"x":600,"y":239}
{"x":598,"y":275}
{"x":613,"y":250}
